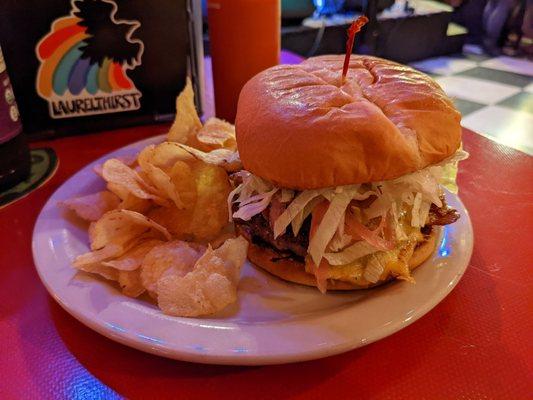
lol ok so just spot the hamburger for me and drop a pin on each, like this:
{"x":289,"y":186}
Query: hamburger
{"x":343,"y":180}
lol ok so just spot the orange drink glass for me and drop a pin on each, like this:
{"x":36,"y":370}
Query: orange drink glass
{"x":244,"y":40}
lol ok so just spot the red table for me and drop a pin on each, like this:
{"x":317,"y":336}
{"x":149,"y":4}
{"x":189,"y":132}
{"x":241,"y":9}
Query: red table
{"x":473,"y":345}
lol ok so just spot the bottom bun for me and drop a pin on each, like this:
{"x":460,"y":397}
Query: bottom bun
{"x":294,"y":271}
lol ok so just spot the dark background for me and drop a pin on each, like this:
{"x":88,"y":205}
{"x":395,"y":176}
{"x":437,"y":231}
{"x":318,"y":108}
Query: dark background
{"x":160,"y":77}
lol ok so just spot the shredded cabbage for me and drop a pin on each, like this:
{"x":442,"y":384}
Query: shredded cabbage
{"x":254,"y":196}
{"x":298,"y":221}
{"x":446,"y":171}
{"x":260,"y":202}
{"x":423,"y":213}
{"x":238,"y":190}
{"x":329,"y":224}
{"x":379,"y":206}
{"x":286,"y":195}
{"x":399,"y":232}
{"x":415,"y":211}
{"x":257,"y":197}
{"x":296,"y":206}
{"x":340,"y":240}
{"x":406,"y":199}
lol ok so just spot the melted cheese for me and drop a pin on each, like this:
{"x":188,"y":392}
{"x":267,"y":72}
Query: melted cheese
{"x":392,"y":263}
{"x":395,"y":262}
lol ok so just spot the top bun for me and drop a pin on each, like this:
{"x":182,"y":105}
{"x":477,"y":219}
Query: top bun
{"x":300,"y":128}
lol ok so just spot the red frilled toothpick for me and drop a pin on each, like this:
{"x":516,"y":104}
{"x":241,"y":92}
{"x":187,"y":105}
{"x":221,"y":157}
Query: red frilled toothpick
{"x":352,"y":30}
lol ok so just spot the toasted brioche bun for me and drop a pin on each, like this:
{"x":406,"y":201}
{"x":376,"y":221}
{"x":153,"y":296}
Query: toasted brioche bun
{"x":299,"y":128}
{"x":294,"y":271}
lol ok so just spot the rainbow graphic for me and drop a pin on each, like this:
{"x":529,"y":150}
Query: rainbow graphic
{"x":69,"y":71}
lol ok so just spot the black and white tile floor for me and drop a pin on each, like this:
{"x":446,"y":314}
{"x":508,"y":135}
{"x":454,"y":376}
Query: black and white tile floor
{"x":495,"y":95}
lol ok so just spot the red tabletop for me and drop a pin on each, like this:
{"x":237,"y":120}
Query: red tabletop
{"x":473,"y":345}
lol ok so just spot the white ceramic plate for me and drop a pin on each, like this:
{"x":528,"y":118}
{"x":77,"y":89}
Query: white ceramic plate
{"x":273,"y":322}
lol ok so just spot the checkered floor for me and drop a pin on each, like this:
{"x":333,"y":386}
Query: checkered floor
{"x":495,"y":95}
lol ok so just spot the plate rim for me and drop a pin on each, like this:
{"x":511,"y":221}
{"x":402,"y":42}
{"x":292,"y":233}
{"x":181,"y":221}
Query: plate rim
{"x":130,"y":340}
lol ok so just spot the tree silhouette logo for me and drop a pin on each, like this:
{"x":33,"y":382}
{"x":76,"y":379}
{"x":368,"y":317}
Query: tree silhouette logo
{"x":85,"y":59}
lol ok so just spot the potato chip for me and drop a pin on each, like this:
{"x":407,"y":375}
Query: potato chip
{"x":129,"y":160}
{"x":195,"y":294}
{"x":167,"y":153}
{"x":210,"y":213}
{"x":90,"y":231}
{"x":130,"y":283}
{"x":233,"y":255}
{"x":99,"y":269}
{"x":227,"y":159}
{"x":114,"y":227}
{"x":164,"y":155}
{"x":233,"y":250}
{"x":157,"y":163}
{"x":133,"y":258}
{"x":121,"y":226}
{"x":118,"y":173}
{"x":160,"y":197}
{"x":129,"y":280}
{"x":129,"y":201}
{"x":164,"y":184}
{"x":203,"y":188}
{"x":216,"y":134}
{"x":186,"y":123}
{"x":145,"y":180}
{"x":177,"y":256}
{"x":140,"y":219}
{"x":184,"y":183}
{"x":97,"y":256}
{"x":177,"y":187}
{"x":93,"y":206}
{"x":176,"y":221}
{"x":209,"y":287}
{"x":135,"y":204}
{"x":99,"y":170}
{"x":120,"y":191}
{"x":221,"y":238}
{"x":115,"y":256}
